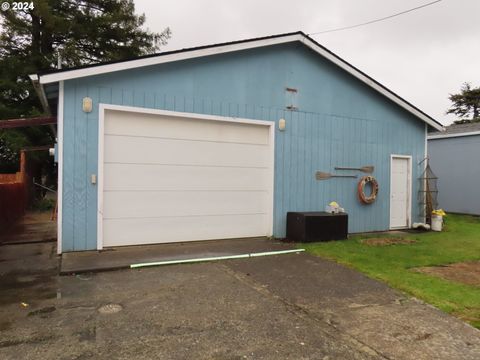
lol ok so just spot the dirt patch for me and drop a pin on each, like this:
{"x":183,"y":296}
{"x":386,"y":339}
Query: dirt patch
{"x":387,"y":241}
{"x":465,"y":273}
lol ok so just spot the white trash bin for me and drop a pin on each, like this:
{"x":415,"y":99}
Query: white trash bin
{"x":437,"y":222}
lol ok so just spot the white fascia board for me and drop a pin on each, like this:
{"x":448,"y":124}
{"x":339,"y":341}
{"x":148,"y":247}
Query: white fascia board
{"x":61,"y":98}
{"x":348,"y":68}
{"x":446,"y":136}
{"x":155,"y":60}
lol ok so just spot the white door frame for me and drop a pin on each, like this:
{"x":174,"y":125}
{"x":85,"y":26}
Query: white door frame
{"x":101,"y":147}
{"x":409,"y":189}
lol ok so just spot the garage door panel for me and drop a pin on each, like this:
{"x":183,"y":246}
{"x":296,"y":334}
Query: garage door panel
{"x":128,"y":204}
{"x":173,"y":229}
{"x":171,"y":177}
{"x":124,"y":149}
{"x":162,"y":126}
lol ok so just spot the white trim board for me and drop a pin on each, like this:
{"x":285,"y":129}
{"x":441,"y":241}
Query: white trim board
{"x":60,"y":166}
{"x":425,"y":163}
{"x":409,"y":206}
{"x":447,"y":136}
{"x":101,"y":147}
{"x":226,"y":48}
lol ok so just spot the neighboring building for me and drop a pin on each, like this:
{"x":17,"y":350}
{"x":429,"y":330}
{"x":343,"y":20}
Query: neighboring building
{"x":455,"y":159}
{"x":186,"y":145}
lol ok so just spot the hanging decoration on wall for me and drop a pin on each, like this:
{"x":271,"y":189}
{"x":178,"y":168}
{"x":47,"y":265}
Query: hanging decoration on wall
{"x":324,"y":176}
{"x":367,"y":199}
{"x":366,"y":169}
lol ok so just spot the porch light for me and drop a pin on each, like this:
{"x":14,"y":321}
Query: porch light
{"x":87,"y":104}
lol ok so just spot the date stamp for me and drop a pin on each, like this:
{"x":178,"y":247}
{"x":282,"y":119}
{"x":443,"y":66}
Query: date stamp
{"x":16,"y":6}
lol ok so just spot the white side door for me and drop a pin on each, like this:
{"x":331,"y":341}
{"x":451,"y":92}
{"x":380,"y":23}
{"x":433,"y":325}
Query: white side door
{"x":400,"y":191}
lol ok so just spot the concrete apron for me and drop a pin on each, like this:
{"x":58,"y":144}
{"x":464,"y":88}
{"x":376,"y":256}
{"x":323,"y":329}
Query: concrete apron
{"x":131,"y":256}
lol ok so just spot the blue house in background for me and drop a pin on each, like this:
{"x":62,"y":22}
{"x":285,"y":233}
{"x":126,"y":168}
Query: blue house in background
{"x":454,"y":159}
{"x":222,"y":141}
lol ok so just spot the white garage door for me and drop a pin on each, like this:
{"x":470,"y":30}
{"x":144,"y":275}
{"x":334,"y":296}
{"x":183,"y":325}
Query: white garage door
{"x":170,"y":178}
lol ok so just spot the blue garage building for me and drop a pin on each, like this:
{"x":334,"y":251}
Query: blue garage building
{"x":222,"y":141}
{"x":454,"y":159}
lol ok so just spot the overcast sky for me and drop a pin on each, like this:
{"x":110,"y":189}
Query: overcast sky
{"x":422,"y":56}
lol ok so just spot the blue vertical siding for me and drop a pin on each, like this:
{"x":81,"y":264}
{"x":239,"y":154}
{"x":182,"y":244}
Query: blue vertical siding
{"x":455,"y":162}
{"x":339,"y":122}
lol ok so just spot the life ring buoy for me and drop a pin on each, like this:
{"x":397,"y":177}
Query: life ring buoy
{"x":361,"y":189}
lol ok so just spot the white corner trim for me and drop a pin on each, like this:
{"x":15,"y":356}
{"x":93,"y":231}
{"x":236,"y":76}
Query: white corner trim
{"x":100,"y":171}
{"x":446,"y":136}
{"x":155,"y":60}
{"x":272,"y":178}
{"x":103,"y":108}
{"x":425,"y":163}
{"x":60,"y":115}
{"x":410,"y":180}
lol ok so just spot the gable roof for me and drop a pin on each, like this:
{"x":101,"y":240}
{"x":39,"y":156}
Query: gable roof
{"x":457,"y":130}
{"x":190,"y":53}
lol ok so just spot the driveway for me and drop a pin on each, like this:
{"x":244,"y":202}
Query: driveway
{"x":280,"y":307}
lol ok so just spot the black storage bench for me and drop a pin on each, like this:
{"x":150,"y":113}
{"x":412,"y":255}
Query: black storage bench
{"x":316,"y":226}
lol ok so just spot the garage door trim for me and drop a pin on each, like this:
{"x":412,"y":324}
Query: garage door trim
{"x":103,"y":108}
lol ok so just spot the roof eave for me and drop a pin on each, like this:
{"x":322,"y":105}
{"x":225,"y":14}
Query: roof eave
{"x":165,"y":58}
{"x":452,"y":135}
{"x":237,"y":46}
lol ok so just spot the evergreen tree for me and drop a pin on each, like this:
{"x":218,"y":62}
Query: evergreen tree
{"x":466,"y":104}
{"x":80,"y":32}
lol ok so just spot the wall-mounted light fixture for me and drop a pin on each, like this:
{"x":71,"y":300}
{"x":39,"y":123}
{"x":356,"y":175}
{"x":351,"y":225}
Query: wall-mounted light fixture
{"x":281,"y":124}
{"x":87,"y":104}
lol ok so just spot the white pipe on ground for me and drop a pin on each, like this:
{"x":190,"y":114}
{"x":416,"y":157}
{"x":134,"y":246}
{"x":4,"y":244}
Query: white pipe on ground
{"x":215,"y":258}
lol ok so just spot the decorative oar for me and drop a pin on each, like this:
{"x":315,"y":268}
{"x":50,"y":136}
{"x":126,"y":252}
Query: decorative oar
{"x":324,"y":176}
{"x":366,"y":169}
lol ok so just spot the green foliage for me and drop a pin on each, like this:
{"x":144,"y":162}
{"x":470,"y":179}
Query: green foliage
{"x":394,"y":264}
{"x":80,"y":32}
{"x":466,"y":104}
{"x":43,"y":204}
{"x":8,"y":158}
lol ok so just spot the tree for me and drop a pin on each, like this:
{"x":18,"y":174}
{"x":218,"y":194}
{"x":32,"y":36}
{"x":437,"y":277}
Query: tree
{"x":466,"y":104}
{"x":80,"y":32}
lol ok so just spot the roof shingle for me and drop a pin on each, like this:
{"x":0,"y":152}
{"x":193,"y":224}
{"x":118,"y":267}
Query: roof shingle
{"x":458,"y":129}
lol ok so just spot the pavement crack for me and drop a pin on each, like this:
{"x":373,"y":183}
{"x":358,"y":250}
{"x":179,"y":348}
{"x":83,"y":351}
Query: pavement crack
{"x":32,"y":340}
{"x":305,"y":314}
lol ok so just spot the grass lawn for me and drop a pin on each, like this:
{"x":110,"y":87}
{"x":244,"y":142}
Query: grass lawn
{"x":393,"y":264}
